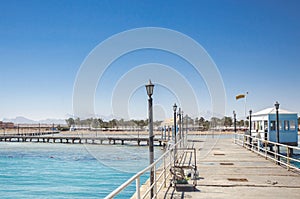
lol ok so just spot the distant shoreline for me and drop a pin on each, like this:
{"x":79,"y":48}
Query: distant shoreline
{"x":157,"y":133}
{"x":128,"y":133}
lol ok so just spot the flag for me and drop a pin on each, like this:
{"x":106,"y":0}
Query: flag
{"x":239,"y":96}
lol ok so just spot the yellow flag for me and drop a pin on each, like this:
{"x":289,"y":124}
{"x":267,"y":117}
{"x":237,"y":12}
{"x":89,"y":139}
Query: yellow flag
{"x":239,"y":96}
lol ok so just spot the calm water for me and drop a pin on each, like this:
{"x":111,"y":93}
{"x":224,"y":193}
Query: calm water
{"x":33,"y":170}
{"x":39,"y":170}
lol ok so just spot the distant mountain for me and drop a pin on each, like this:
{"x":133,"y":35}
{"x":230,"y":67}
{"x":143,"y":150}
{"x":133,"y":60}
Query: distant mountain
{"x":24,"y":120}
{"x":19,"y":120}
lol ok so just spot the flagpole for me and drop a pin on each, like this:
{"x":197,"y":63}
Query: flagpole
{"x":246,"y":105}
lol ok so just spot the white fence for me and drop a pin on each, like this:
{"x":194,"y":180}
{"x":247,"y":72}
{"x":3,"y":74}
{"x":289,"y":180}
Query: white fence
{"x":161,"y":175}
{"x":268,"y":150}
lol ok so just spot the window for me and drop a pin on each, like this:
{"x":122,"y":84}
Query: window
{"x":292,"y":125}
{"x":280,"y":125}
{"x":272,"y":126}
{"x":266,"y":126}
{"x":286,"y":125}
{"x":261,"y":125}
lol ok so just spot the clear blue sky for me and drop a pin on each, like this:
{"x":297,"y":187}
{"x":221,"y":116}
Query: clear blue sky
{"x":255,"y":45}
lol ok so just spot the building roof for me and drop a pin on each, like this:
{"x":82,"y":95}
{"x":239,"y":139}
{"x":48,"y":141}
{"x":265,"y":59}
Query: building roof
{"x":168,"y":122}
{"x":272,"y":111}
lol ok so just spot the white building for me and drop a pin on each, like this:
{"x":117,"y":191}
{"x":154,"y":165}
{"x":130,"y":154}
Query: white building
{"x":264,"y":123}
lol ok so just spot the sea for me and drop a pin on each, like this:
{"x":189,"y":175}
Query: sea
{"x":49,"y":170}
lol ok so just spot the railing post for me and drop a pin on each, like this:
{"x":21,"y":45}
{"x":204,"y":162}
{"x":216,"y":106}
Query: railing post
{"x":170,"y":155}
{"x":137,"y":187}
{"x":258,"y":145}
{"x":249,"y":143}
{"x":288,"y":158}
{"x":165,"y":174}
{"x":276,"y":153}
{"x":234,"y":138}
{"x":174,"y":162}
{"x":155,"y":181}
{"x":266,"y":151}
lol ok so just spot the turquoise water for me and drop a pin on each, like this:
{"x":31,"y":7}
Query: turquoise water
{"x":38,"y":170}
{"x":41,"y":170}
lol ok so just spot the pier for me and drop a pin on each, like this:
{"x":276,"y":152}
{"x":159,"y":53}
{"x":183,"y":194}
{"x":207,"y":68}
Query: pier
{"x":226,"y":170}
{"x":78,"y":140}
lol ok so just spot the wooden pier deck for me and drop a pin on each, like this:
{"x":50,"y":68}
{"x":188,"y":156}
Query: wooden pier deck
{"x":227,"y":170}
{"x":79,"y":140}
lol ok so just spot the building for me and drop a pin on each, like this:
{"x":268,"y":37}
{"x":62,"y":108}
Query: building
{"x":6,"y":125}
{"x":263,"y":125}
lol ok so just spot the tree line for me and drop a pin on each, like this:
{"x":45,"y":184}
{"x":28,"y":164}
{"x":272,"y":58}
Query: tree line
{"x":113,"y":123}
{"x":198,"y":123}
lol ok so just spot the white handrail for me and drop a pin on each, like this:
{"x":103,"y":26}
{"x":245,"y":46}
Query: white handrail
{"x":260,"y":147}
{"x":137,"y":176}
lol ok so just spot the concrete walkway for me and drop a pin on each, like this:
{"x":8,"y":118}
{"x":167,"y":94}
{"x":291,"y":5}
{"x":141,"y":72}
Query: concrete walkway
{"x":231,"y":171}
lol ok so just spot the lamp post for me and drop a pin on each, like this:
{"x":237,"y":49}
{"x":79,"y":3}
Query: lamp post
{"x":250,"y":126}
{"x":174,"y":109}
{"x":175,"y":129}
{"x":179,"y":124}
{"x":149,"y":88}
{"x":175,"y":140}
{"x":186,"y":126}
{"x":277,"y":129}
{"x":182,"y":131}
{"x":234,"y":121}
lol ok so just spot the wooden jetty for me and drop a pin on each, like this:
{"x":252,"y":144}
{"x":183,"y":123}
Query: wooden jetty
{"x":32,"y":133}
{"x":79,"y":140}
{"x":227,"y":170}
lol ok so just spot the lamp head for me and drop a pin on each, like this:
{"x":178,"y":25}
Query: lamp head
{"x":276,"y":105}
{"x":149,"y":88}
{"x":174,"y":107}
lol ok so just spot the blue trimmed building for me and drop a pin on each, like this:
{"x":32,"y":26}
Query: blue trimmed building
{"x":264,"y":126}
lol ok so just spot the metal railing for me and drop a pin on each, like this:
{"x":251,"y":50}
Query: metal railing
{"x":268,"y":150}
{"x":161,"y":175}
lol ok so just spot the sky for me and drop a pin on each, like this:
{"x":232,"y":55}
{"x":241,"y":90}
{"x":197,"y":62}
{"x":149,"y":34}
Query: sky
{"x":255,"y":46}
